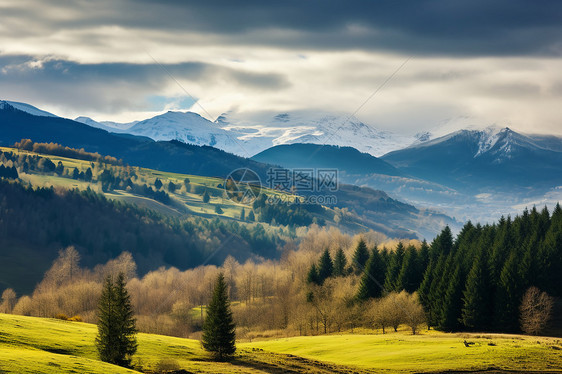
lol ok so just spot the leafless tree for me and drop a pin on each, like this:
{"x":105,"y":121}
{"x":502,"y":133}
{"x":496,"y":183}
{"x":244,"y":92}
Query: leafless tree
{"x":536,"y":311}
{"x":8,"y":301}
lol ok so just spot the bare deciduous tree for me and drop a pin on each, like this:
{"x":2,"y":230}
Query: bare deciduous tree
{"x":536,"y":310}
{"x":8,"y":301}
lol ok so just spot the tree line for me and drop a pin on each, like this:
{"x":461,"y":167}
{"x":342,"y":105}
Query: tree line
{"x":59,"y":150}
{"x":478,"y":280}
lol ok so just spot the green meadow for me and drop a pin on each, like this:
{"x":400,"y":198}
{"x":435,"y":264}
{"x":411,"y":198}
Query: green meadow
{"x":39,"y":345}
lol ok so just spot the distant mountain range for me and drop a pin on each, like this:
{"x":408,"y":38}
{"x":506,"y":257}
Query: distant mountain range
{"x":249,"y":136}
{"x":366,"y":206}
{"x":473,"y":173}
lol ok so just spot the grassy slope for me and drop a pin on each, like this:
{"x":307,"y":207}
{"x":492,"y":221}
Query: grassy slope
{"x":434,"y":352}
{"x":37,"y":345}
{"x":183,"y":201}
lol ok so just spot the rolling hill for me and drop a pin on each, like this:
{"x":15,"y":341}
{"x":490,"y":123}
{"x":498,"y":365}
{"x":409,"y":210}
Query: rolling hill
{"x":347,"y":160}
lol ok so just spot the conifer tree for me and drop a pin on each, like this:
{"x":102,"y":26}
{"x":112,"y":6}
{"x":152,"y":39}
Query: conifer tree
{"x":393,"y":270}
{"x":476,"y":297}
{"x":218,"y":329}
{"x":206,"y":197}
{"x":452,"y":303}
{"x":158,"y":184}
{"x":373,"y":277}
{"x":409,"y":276}
{"x":312,"y":276}
{"x":360,"y":257}
{"x":508,"y":297}
{"x":325,"y":267}
{"x":243,"y":215}
{"x":116,"y":339}
{"x":340,"y":263}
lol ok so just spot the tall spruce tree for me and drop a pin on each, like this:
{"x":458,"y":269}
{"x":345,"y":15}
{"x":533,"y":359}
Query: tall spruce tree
{"x":340,"y":263}
{"x":409,"y":277}
{"x":312,"y":276}
{"x":476,"y":311}
{"x":218,"y":329}
{"x":452,"y":303}
{"x":325,"y":266}
{"x":393,"y":270}
{"x":372,"y":280}
{"x":116,"y":340}
{"x":360,"y":257}
{"x":508,"y":297}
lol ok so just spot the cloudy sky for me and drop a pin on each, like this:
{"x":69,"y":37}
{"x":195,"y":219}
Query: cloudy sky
{"x":429,"y":64}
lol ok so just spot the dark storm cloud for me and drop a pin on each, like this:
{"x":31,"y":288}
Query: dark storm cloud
{"x":451,"y":27}
{"x":113,"y":86}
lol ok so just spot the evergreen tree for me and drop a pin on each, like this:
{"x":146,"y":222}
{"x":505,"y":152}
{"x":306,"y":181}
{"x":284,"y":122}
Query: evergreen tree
{"x":409,"y":277}
{"x":219,"y":329}
{"x":116,"y":340}
{"x":60,"y":168}
{"x":312,"y":276}
{"x":340,"y":263}
{"x":360,"y":257}
{"x":508,"y":297}
{"x":476,"y":297}
{"x":390,"y":282}
{"x":372,"y":280}
{"x":452,"y":303}
{"x":89,"y":175}
{"x":442,"y":244}
{"x":206,"y":197}
{"x":325,"y":267}
{"x":243,"y":215}
{"x":158,"y":184}
{"x":218,"y":209}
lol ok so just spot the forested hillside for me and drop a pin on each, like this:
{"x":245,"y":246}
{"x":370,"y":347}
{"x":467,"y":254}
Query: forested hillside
{"x":36,"y":223}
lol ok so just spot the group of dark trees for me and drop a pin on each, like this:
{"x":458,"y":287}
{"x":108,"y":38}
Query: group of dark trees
{"x":116,"y":339}
{"x":8,"y":172}
{"x":287,"y":213}
{"x":380,"y":271}
{"x":475,"y":281}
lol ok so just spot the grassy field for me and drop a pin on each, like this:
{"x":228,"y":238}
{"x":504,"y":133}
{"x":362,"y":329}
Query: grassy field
{"x":37,"y":345}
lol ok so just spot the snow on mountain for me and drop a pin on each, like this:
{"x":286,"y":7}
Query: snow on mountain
{"x":27,"y":108}
{"x":266,"y":130}
{"x":106,"y":125}
{"x":188,"y":127}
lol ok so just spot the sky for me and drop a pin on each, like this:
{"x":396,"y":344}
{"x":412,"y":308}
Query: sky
{"x":401,"y":66}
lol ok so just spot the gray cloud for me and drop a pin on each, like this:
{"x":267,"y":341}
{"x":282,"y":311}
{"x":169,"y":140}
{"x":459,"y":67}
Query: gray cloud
{"x":443,"y":27}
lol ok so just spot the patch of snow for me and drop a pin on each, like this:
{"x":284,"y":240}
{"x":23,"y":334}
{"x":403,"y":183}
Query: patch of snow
{"x":27,"y":108}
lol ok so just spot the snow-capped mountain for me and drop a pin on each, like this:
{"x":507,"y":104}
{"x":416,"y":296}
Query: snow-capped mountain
{"x":190,"y":128}
{"x":262,"y":131}
{"x":482,"y":158}
{"x":247,"y":135}
{"x":26,"y":108}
